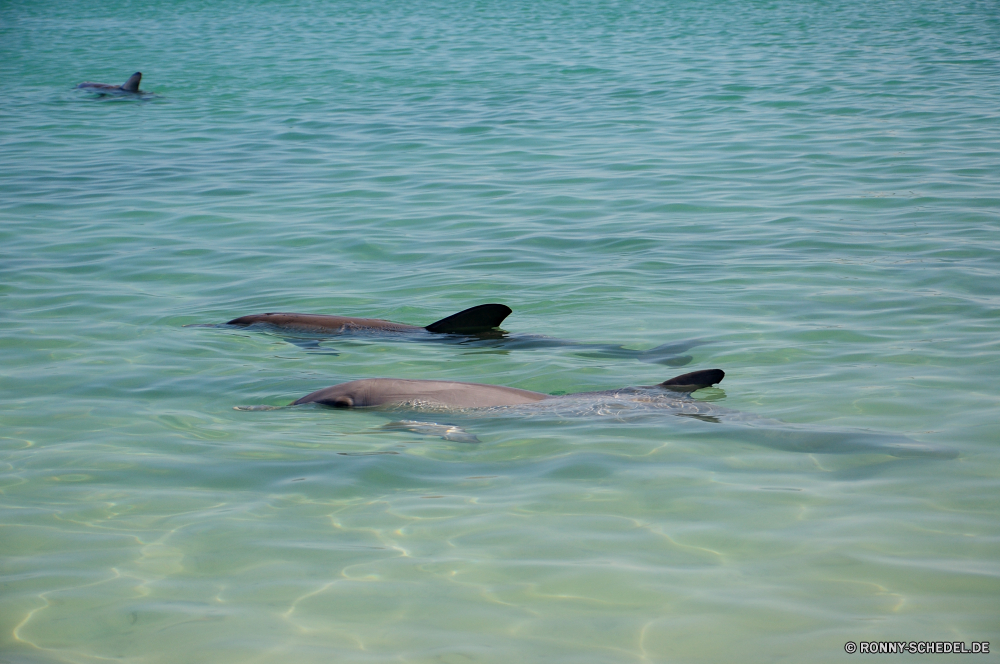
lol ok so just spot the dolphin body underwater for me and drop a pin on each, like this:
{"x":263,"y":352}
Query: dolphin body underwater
{"x":672,"y":396}
{"x":131,"y":85}
{"x":476,"y":327}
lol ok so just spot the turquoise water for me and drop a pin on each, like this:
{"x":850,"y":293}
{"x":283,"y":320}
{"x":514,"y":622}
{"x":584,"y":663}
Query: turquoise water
{"x":811,"y":188}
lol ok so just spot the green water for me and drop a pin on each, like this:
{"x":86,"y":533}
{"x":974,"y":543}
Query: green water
{"x":811,"y":188}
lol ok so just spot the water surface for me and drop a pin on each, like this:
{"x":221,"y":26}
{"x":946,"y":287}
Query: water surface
{"x":811,"y":187}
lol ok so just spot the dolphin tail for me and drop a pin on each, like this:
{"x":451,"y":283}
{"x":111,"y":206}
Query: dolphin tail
{"x":480,"y":318}
{"x":132,"y":84}
{"x":695,"y":380}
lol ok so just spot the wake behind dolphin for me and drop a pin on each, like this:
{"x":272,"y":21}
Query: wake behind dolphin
{"x":672,"y":396}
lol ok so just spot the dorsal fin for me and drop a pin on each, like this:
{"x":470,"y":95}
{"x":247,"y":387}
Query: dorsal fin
{"x":695,"y":380}
{"x":132,"y":84}
{"x":475,"y":319}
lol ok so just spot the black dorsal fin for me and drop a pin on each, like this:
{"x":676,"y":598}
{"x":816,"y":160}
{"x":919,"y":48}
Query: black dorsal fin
{"x":132,"y":84}
{"x":480,"y":318}
{"x":695,"y":380}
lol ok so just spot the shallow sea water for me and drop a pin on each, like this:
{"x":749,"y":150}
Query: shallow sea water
{"x":811,"y":188}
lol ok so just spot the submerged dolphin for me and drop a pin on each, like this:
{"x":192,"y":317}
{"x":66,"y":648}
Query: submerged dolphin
{"x":672,"y":396}
{"x":131,"y":85}
{"x":476,"y":327}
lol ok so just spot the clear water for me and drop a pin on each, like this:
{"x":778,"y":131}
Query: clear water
{"x":812,"y":187}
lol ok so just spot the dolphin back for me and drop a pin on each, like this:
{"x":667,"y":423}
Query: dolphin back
{"x":322,"y":323}
{"x":370,"y":392}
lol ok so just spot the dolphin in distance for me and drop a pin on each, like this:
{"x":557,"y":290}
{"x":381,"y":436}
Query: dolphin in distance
{"x":131,"y":85}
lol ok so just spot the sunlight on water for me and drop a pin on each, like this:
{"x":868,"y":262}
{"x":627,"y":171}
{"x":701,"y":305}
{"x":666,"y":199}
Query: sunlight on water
{"x":803,"y":195}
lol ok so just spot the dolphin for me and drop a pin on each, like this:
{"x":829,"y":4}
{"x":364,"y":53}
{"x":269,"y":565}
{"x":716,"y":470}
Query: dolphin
{"x":372,"y":392}
{"x":672,"y":396}
{"x":480,"y":318}
{"x":131,"y":85}
{"x":476,"y":327}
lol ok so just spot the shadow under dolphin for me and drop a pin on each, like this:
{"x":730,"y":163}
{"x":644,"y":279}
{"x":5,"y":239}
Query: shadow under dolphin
{"x":476,"y":327}
{"x":670,"y":354}
{"x":672,"y":396}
